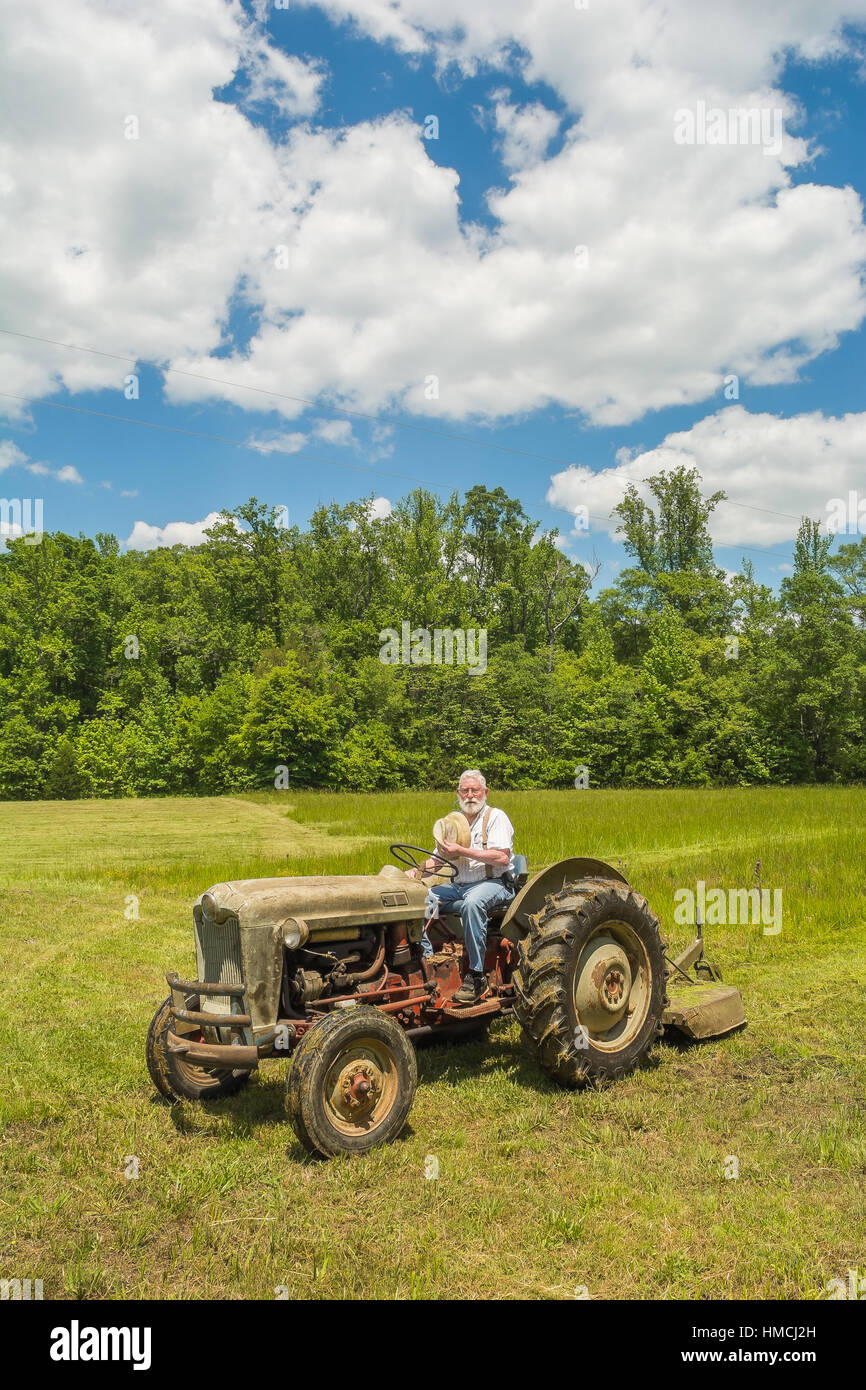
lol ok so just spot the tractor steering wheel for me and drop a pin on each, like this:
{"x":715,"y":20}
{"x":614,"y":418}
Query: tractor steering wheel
{"x":405,"y":854}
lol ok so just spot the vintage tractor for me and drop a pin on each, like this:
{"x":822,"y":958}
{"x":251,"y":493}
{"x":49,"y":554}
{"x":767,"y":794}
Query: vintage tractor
{"x":330,"y":970}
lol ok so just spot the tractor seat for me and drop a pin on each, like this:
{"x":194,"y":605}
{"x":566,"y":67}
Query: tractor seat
{"x":521,"y":871}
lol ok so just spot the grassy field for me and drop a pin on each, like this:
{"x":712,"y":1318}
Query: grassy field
{"x":541,"y":1193}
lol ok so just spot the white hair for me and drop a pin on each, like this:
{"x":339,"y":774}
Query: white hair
{"x":471,"y":772}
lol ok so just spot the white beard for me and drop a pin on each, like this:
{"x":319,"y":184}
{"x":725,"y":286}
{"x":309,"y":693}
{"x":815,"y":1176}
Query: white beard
{"x":465,"y":808}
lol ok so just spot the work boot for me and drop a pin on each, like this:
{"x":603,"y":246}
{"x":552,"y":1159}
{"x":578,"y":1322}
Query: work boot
{"x":473,"y":989}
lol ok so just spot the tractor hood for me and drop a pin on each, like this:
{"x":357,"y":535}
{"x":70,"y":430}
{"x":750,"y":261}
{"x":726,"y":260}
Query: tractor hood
{"x":301,"y":907}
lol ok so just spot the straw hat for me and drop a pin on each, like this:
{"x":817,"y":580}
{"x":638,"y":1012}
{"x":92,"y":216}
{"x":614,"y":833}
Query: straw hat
{"x":454,"y":827}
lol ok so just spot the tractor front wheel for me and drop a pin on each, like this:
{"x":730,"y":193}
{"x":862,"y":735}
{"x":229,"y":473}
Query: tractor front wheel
{"x":590,"y":984}
{"x":351,"y":1083}
{"x":177,"y":1079}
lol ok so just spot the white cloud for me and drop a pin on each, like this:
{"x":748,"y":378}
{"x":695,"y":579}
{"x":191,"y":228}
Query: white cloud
{"x":379,"y":508}
{"x":138,"y":248}
{"x":290,"y":443}
{"x":68,"y":474}
{"x":526,"y":131}
{"x":291,"y":84}
{"x":335,"y":431}
{"x":701,"y":260}
{"x":382,"y":442}
{"x":147,"y":537}
{"x":13,"y":457}
{"x":579,"y":50}
{"x":777,"y":469}
{"x":129,"y":492}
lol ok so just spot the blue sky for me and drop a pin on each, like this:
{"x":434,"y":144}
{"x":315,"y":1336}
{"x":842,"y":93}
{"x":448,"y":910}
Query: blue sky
{"x":159,"y":247}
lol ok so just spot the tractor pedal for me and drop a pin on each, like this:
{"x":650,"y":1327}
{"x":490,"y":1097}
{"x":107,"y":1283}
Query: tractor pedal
{"x":487,"y":1006}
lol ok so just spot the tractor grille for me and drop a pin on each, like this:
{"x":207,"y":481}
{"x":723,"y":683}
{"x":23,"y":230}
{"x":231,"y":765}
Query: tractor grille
{"x":218,"y":958}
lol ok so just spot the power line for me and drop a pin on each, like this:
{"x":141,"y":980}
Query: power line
{"x":305,"y":458}
{"x":218,"y":438}
{"x":298,"y":400}
{"x":356,"y":414}
{"x":248,"y":444}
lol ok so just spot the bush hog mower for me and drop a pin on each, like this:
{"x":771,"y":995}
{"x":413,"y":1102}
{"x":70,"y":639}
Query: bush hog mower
{"x":330,"y":970}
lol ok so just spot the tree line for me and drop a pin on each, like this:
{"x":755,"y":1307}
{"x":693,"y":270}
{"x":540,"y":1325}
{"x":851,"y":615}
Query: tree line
{"x":256,"y":659}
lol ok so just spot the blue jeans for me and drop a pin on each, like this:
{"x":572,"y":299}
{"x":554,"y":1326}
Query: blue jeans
{"x":473,"y":903}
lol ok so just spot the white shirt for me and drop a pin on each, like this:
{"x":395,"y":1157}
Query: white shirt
{"x":500,"y":835}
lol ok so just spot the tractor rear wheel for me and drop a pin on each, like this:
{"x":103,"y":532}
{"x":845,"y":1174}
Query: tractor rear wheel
{"x":590,"y":984}
{"x":178,"y":1079}
{"x":351,"y":1083}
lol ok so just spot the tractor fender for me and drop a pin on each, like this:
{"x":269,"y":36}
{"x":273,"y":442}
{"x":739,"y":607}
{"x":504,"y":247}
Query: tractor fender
{"x":515,"y":922}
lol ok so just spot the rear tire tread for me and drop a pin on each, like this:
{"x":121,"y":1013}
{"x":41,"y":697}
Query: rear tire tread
{"x":543,"y":979}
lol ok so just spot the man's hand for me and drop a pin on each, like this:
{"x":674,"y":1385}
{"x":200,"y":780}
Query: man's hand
{"x":452,"y":850}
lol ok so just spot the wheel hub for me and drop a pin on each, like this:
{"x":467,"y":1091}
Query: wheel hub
{"x":358,"y":1088}
{"x":361,"y":1087}
{"x":603,"y":984}
{"x":613,"y":988}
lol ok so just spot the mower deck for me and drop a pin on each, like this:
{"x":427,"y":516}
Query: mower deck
{"x":704,"y":1010}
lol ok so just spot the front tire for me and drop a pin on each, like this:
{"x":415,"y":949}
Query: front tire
{"x":590,"y":985}
{"x":351,"y":1083}
{"x":177,"y":1079}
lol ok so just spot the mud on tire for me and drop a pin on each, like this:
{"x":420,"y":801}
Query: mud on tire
{"x":590,"y":984}
{"x":177,"y":1079}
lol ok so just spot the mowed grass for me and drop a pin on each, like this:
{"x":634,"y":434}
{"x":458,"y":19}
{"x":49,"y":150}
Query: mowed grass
{"x":541,"y":1192}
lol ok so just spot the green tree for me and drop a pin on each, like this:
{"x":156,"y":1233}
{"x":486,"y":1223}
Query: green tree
{"x":814,"y":688}
{"x":287,"y":725}
{"x":849,"y":563}
{"x":674,"y":551}
{"x":64,"y":781}
{"x":676,"y":535}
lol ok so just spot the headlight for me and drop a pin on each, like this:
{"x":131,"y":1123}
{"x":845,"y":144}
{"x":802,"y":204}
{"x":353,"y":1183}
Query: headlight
{"x":295,"y":932}
{"x":221,"y":902}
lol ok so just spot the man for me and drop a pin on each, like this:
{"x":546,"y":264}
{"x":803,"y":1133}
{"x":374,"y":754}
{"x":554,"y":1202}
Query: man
{"x":478,"y":888}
